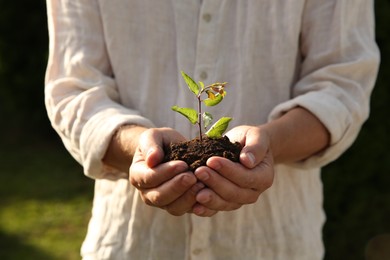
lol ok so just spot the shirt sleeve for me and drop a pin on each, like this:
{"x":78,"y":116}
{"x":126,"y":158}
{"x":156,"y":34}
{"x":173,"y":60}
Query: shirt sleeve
{"x":338,"y":70}
{"x":81,"y":95}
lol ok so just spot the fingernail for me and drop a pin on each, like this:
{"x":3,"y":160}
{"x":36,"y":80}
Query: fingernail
{"x":187,"y":180}
{"x":150,"y":151}
{"x":198,"y":210}
{"x":181,"y":168}
{"x":202,"y":175}
{"x":197,"y":187}
{"x":251,"y":158}
{"x":204,"y":198}
{"x":214,"y":164}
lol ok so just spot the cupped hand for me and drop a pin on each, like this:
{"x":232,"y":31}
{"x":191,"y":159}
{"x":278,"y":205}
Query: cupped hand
{"x":231,"y":185}
{"x":168,"y":185}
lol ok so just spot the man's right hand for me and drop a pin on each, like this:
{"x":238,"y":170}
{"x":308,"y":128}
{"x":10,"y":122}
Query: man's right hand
{"x":168,"y":185}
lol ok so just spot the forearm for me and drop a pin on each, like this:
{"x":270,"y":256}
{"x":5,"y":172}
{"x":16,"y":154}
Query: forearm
{"x":296,"y":135}
{"x":122,"y":147}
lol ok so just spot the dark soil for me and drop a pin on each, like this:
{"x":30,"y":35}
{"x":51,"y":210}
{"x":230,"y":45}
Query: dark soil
{"x":195,"y":153}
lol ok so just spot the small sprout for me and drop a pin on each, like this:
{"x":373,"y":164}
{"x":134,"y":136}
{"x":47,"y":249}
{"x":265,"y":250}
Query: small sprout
{"x":190,"y":113}
{"x":215,"y":94}
{"x":207,"y":119}
{"x":219,"y":127}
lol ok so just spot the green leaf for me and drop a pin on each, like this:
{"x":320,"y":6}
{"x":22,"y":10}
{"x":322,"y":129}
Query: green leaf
{"x":213,"y":101}
{"x":207,"y":119}
{"x":217,"y":130}
{"x":189,"y":113}
{"x":201,"y":84}
{"x":191,"y":83}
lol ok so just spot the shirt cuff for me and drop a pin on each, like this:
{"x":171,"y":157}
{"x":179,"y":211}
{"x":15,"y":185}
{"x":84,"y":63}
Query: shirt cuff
{"x":336,"y":118}
{"x":96,"y":137}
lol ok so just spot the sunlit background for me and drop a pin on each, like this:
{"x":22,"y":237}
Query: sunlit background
{"x":45,"y":199}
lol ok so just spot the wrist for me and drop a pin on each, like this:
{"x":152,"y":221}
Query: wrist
{"x":295,"y":136}
{"x":268,"y":135}
{"x":122,"y":147}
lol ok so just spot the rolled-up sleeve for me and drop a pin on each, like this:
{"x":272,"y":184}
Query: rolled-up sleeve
{"x":81,"y":96}
{"x":339,"y":66}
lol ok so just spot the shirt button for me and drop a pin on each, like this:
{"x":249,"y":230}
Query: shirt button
{"x":197,"y":251}
{"x":203,"y":75}
{"x":207,"y":17}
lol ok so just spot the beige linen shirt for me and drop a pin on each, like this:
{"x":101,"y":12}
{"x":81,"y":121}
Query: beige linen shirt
{"x":115,"y":62}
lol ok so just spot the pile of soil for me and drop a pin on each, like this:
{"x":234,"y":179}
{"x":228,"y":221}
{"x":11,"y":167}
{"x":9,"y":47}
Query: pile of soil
{"x":195,"y":152}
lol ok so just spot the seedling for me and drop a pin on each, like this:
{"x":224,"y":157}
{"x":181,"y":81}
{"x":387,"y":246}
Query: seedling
{"x":215,"y":94}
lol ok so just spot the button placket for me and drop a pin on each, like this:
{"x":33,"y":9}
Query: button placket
{"x":199,"y":237}
{"x":206,"y":57}
{"x":196,"y":251}
{"x":206,"y":51}
{"x":203,"y":75}
{"x":206,"y":17}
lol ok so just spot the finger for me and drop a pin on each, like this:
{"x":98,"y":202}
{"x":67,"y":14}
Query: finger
{"x":226,"y":191}
{"x":152,"y":142}
{"x":256,"y":145}
{"x":169,"y":191}
{"x":154,"y":156}
{"x":144,"y":177}
{"x":258,"y":179}
{"x":202,"y":211}
{"x":211,"y":200}
{"x":185,"y":203}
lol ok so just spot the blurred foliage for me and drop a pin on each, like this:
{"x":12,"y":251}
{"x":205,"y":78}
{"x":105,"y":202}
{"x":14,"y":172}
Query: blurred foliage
{"x":23,"y":55}
{"x":45,"y":203}
{"x":356,"y":187}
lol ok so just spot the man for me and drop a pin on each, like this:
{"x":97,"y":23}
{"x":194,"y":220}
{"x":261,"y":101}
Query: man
{"x":300,"y":75}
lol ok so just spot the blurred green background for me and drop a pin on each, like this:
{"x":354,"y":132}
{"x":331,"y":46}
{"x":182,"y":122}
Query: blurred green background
{"x":45,"y":199}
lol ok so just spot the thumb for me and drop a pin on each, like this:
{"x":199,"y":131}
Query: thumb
{"x":255,"y":148}
{"x":152,"y":142}
{"x":150,"y":147}
{"x":154,"y":156}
